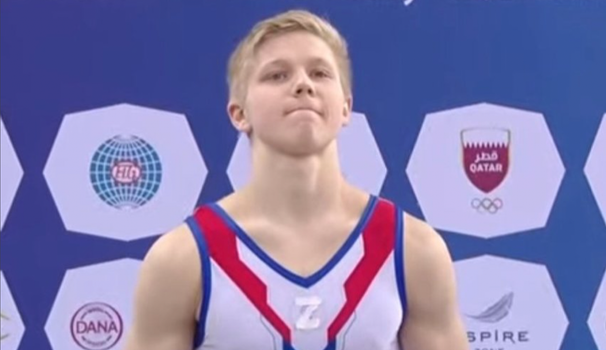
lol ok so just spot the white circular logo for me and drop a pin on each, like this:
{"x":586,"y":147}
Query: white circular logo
{"x":96,"y":326}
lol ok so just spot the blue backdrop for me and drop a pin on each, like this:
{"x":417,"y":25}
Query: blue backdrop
{"x":62,"y":56}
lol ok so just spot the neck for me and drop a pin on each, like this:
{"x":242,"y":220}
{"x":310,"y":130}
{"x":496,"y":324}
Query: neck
{"x":296,"y":189}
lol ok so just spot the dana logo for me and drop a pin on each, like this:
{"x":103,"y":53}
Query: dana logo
{"x":96,"y":326}
{"x":498,"y":336}
{"x":3,"y":320}
{"x":99,"y":307}
{"x":126,"y":172}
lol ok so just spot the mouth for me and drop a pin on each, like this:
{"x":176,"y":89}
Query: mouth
{"x":303,"y":109}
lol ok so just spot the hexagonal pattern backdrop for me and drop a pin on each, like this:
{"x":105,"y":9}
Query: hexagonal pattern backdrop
{"x":597,"y":317}
{"x":361,"y":161}
{"x":509,"y":304}
{"x":10,"y":174}
{"x":478,"y":118}
{"x":117,"y":171}
{"x":473,"y":168}
{"x":595,"y":169}
{"x":12,"y":327}
{"x":93,"y":308}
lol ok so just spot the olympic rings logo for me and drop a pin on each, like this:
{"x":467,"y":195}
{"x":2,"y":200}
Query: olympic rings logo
{"x":487,"y":205}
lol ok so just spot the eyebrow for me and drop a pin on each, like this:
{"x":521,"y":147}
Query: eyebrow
{"x":320,"y":60}
{"x":282,"y":62}
{"x":276,"y":62}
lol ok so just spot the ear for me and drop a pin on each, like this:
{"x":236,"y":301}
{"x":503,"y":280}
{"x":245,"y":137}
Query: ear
{"x":347,"y":109}
{"x":236,"y":115}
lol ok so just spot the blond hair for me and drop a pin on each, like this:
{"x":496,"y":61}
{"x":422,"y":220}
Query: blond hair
{"x":286,"y":22}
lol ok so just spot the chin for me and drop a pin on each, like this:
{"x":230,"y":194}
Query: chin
{"x":298,"y":142}
{"x":304,"y":147}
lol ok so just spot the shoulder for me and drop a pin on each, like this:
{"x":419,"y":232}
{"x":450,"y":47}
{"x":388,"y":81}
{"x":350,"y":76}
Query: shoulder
{"x":167,"y":293}
{"x":427,"y":261}
{"x":429,"y":271}
{"x":172,"y":265}
{"x":432,"y":312}
{"x":173,"y":249}
{"x":423,"y":244}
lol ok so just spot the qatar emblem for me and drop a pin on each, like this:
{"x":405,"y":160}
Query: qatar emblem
{"x":486,"y":158}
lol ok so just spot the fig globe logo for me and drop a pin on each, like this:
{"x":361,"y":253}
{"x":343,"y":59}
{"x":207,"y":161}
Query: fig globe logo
{"x":126,"y":172}
{"x":493,"y":335}
{"x":97,"y":326}
{"x":486,"y":160}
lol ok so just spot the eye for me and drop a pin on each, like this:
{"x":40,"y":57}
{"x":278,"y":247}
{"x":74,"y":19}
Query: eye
{"x":276,"y":76}
{"x":320,"y":73}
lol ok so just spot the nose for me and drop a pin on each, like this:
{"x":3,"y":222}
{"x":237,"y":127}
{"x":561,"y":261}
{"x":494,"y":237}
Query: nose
{"x":303,"y":85}
{"x":304,"y":89}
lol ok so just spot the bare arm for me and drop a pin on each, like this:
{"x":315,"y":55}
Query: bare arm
{"x":433,"y":321}
{"x":167,"y":295}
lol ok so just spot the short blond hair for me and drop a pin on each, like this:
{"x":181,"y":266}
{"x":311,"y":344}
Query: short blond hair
{"x":286,"y":22}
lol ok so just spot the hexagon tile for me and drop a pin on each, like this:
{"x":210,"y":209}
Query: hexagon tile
{"x":473,"y":167}
{"x":595,"y":168}
{"x":10,"y":174}
{"x":12,"y":328}
{"x":93,"y":308}
{"x":125,"y":172}
{"x":597,"y":317}
{"x":505,"y":302}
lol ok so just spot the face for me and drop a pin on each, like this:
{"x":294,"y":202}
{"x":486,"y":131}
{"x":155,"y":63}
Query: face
{"x":294,"y":103}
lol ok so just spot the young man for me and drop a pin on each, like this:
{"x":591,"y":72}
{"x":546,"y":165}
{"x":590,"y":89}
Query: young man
{"x":297,"y":259}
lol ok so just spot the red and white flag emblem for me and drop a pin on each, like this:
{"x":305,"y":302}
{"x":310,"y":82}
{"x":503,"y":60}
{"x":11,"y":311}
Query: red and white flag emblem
{"x":486,"y":156}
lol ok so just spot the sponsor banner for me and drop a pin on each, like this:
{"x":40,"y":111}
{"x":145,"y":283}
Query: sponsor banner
{"x":473,"y":167}
{"x":509,"y":305}
{"x":94,"y":307}
{"x":125,"y":172}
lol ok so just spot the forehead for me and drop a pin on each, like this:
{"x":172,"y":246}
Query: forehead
{"x":295,"y":47}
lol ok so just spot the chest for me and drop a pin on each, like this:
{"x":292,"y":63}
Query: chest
{"x":346,"y":307}
{"x":302,"y":250}
{"x":320,"y":286}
